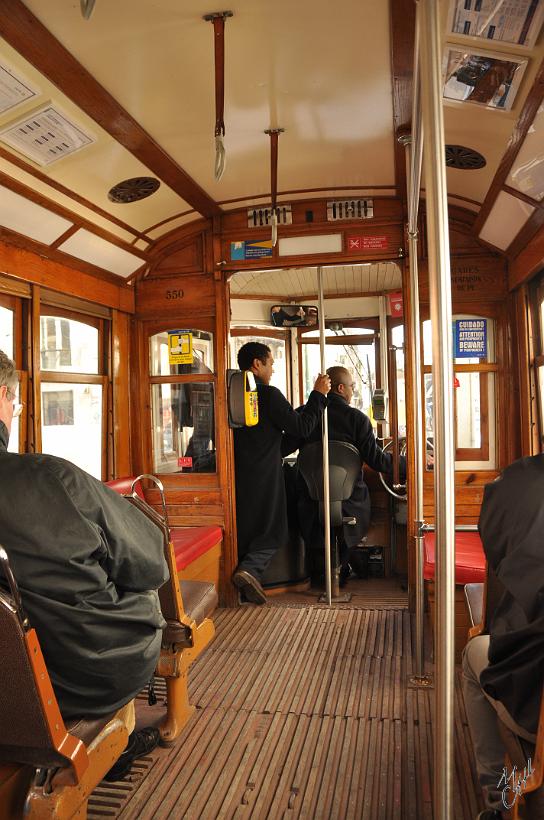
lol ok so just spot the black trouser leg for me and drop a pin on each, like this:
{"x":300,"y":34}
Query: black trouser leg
{"x":256,"y":562}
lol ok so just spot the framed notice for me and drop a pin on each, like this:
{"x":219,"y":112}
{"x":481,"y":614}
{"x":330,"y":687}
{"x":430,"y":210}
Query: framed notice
{"x":180,"y":347}
{"x":505,"y":21}
{"x":481,"y":77}
{"x":470,"y":338}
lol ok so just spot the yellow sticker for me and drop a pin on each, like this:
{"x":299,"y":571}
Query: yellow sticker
{"x":180,"y":347}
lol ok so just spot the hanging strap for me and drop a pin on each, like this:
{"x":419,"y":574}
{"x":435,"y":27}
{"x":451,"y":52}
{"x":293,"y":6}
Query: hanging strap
{"x":273,"y":134}
{"x":218,"y":20}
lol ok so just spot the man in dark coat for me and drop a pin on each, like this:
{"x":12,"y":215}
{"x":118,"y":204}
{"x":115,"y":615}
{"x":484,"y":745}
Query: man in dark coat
{"x":503,"y":672}
{"x":345,"y":423}
{"x":88,"y":566}
{"x":261,"y":507}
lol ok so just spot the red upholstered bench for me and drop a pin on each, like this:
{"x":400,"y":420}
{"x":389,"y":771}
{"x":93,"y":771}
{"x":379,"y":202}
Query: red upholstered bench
{"x":469,"y":569}
{"x":197,"y":549}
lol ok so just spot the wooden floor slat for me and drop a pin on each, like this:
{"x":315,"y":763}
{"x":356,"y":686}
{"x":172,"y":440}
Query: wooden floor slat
{"x":302,"y":712}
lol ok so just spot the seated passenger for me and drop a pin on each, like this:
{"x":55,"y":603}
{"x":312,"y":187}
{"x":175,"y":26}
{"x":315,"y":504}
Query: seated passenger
{"x":88,"y":566}
{"x":345,"y":423}
{"x":503,"y":672}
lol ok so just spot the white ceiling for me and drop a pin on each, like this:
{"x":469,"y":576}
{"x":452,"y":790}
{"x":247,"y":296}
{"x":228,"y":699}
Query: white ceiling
{"x":320,"y":70}
{"x":338,"y":280}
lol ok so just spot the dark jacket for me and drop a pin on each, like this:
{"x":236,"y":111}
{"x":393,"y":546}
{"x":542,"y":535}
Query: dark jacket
{"x":88,"y":565}
{"x":261,"y":511}
{"x":345,"y":423}
{"x":512,"y":531}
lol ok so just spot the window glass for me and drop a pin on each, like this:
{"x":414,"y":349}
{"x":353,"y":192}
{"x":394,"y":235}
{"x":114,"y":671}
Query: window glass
{"x":346,"y":331}
{"x":183,"y":427}
{"x":72,"y":423}
{"x":6,"y":331}
{"x":68,"y":346}
{"x":469,"y":431}
{"x":202,"y":353}
{"x":278,"y":350}
{"x":490,"y":329}
{"x":360,"y":360}
{"x":397,"y":337}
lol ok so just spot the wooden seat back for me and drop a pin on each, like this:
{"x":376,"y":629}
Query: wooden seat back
{"x":32,"y":730}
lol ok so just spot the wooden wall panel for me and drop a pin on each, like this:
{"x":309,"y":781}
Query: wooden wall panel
{"x":190,"y":296}
{"x":473,"y":278}
{"x":182,"y":257}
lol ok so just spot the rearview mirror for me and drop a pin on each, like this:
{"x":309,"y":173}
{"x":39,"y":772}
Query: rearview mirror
{"x":293,"y":315}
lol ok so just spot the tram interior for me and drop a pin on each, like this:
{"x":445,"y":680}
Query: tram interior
{"x":177,"y":180}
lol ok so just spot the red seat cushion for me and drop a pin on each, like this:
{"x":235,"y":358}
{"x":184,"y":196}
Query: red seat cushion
{"x":192,"y":542}
{"x":469,"y":558}
{"x":123,"y":485}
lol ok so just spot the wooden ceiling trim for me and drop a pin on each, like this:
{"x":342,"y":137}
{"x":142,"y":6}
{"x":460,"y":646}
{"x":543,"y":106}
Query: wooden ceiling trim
{"x":27,"y":35}
{"x":46,"y":252}
{"x":403,"y":22}
{"x":293,"y":191}
{"x":62,"y":189}
{"x":529,"y":262}
{"x":524,"y":122}
{"x":64,"y":236}
{"x":50,"y":205}
{"x":524,"y":198}
{"x":533,"y":225}
{"x":29,"y":264}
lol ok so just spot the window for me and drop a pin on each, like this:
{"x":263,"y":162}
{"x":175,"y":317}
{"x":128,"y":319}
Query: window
{"x":73,"y":388}
{"x":350,"y":347}
{"x":278,"y":348}
{"x":182,"y":401}
{"x":473,"y":389}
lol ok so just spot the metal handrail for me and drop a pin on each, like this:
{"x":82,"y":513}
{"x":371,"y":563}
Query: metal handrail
{"x":325,"y":430}
{"x":160,"y":486}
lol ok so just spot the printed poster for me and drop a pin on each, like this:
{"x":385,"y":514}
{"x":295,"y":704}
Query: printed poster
{"x":180,"y":347}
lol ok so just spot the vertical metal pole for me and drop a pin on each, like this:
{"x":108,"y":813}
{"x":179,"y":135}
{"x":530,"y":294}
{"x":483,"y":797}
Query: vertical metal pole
{"x":444,"y":485}
{"x":384,"y":363}
{"x":326,"y":494}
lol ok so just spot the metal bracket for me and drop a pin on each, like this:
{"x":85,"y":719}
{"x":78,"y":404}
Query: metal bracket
{"x":215,"y":14}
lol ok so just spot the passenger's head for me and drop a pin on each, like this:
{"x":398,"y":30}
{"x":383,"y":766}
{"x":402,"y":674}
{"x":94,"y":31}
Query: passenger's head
{"x":258,"y":358}
{"x":341,"y":382}
{"x":8,"y":389}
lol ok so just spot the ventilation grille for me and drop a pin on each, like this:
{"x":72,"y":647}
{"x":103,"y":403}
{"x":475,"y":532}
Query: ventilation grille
{"x":260,"y":217}
{"x":457,"y":156}
{"x":349,"y":209}
{"x":131,"y":190}
{"x":45,"y":136}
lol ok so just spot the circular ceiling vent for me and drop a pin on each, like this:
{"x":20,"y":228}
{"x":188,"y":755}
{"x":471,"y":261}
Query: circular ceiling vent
{"x":457,"y":156}
{"x":131,"y":190}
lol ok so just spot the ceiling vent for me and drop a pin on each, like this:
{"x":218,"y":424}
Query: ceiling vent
{"x":457,"y":156}
{"x":45,"y":136}
{"x":260,"y":217}
{"x":341,"y":209}
{"x":132,"y":190}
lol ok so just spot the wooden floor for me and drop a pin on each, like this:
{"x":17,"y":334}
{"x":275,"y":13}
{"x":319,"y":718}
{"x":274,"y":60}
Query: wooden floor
{"x":302,"y":712}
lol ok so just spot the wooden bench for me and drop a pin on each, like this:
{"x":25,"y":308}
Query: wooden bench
{"x":186,"y":607}
{"x":48,"y":768}
{"x":469,"y":568}
{"x":197,"y":549}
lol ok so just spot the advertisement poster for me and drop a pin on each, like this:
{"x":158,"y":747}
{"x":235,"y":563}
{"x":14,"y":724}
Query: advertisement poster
{"x":470,"y":338}
{"x":506,"y":21}
{"x":250,"y":250}
{"x":180,"y":347}
{"x":482,"y":78}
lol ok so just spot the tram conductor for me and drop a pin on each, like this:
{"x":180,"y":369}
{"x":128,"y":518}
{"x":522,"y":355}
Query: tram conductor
{"x":261,"y":505}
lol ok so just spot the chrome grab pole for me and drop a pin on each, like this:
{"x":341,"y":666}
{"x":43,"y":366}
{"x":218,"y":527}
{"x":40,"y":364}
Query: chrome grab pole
{"x":326,"y":493}
{"x":414,"y":158}
{"x":444,"y":485}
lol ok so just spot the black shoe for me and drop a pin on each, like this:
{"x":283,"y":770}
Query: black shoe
{"x":250,"y":586}
{"x":140,"y":743}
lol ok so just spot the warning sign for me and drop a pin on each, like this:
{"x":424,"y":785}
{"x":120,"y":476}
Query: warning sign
{"x":185,"y":461}
{"x":367,"y":243}
{"x":470,"y":338}
{"x":180,"y":347}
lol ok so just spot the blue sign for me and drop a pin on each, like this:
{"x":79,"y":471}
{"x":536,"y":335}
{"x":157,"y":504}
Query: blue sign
{"x":250,"y":250}
{"x":470,"y":338}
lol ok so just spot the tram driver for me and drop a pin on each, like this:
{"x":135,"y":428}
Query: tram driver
{"x":88,"y":565}
{"x":503,"y":672}
{"x":349,"y":424}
